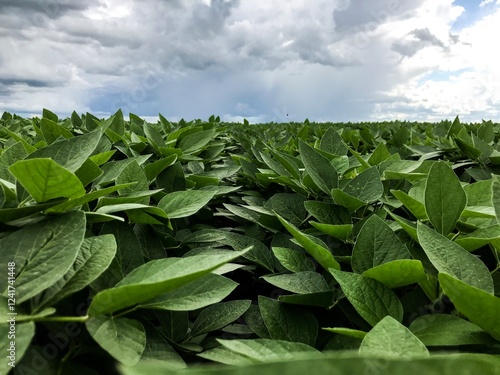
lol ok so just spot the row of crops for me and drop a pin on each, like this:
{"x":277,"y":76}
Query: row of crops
{"x":208,"y":247}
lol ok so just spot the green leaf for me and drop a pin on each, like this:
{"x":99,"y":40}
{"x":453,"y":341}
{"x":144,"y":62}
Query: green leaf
{"x":319,"y":168}
{"x":287,"y":322}
{"x":445,"y":198}
{"x":51,"y":130}
{"x":448,"y":257}
{"x":155,"y":278}
{"x":367,"y":186}
{"x":389,"y":338}
{"x":289,"y":206}
{"x":197,"y":294}
{"x":94,"y":257}
{"x":398,"y":273}
{"x":346,"y":200}
{"x":315,"y":247}
{"x":416,"y":208}
{"x":218,"y":316}
{"x":479,"y":238}
{"x":8,"y":157}
{"x":70,"y":153}
{"x":371,"y":299}
{"x":477,"y":305}
{"x":44,"y":252}
{"x":152,"y":170}
{"x":448,"y":330}
{"x":123,"y":338}
{"x":196,"y":141}
{"x":184,"y":203}
{"x":293,"y":260}
{"x":342,"y":232}
{"x":332,"y":143}
{"x":380,"y":154}
{"x":265,"y":350}
{"x":44,"y":179}
{"x":300,"y":282}
{"x":376,"y":244}
{"x":328,"y":213}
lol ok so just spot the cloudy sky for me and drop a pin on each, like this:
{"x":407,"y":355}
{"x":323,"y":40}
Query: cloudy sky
{"x":326,"y":60}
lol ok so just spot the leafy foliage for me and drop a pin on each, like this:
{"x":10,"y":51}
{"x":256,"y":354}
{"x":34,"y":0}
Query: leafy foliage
{"x":144,"y":248}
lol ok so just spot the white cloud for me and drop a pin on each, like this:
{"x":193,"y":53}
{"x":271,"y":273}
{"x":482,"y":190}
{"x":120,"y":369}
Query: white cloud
{"x":330,"y":60}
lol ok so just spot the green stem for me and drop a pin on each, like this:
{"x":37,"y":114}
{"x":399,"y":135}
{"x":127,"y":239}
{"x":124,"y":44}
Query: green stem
{"x":77,"y":319}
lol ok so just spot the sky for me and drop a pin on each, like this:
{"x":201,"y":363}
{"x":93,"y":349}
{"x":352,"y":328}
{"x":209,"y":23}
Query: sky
{"x":263,"y":60}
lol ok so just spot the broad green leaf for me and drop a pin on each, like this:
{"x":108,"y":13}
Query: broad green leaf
{"x":448,"y":330}
{"x":289,"y":206}
{"x":389,"y":338}
{"x":371,"y":299}
{"x":184,"y":203}
{"x":8,"y":157}
{"x":342,"y":232}
{"x":123,"y":338}
{"x":88,"y":172}
{"x":416,"y":208}
{"x":367,"y":186}
{"x":159,"y":351}
{"x":398,"y":273}
{"x":43,"y":252}
{"x":477,"y":305}
{"x":112,"y":169}
{"x":315,"y":247}
{"x":51,"y":130}
{"x":155,"y":278}
{"x":445,"y":198}
{"x":23,"y":335}
{"x":332,"y":143}
{"x":319,"y":168}
{"x":218,"y":316}
{"x":479,"y":238}
{"x":293,"y":260}
{"x":287,"y":322}
{"x":132,"y":173}
{"x":70,"y":153}
{"x":380,"y":154}
{"x":93,"y":258}
{"x":265,"y":350}
{"x":44,"y":179}
{"x":300,"y":282}
{"x":197,"y":294}
{"x":196,"y":141}
{"x":448,"y":257}
{"x":346,"y":200}
{"x":154,"y":137}
{"x":152,"y":170}
{"x":328,"y":213}
{"x":376,"y":244}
